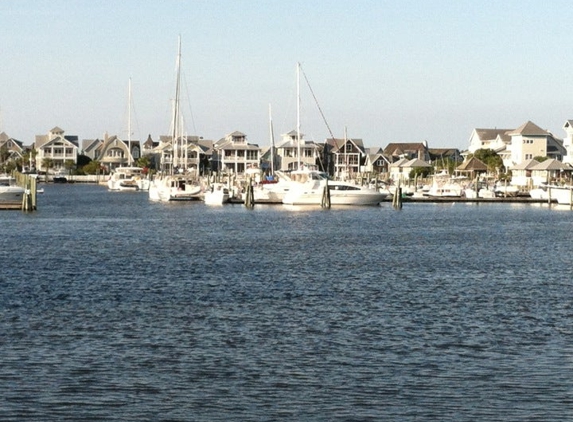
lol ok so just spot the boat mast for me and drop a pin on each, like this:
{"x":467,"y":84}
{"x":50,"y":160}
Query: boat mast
{"x":272,"y":136}
{"x":129,"y":156}
{"x":298,"y":113}
{"x":176,"y":122}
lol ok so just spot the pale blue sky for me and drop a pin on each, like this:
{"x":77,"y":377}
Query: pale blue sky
{"x":388,"y":71}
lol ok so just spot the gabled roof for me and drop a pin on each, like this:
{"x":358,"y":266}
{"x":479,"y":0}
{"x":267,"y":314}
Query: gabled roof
{"x":400,"y":162}
{"x":338,"y":143}
{"x":416,"y":163}
{"x":529,"y":129}
{"x":551,"y":164}
{"x":492,"y":134}
{"x":56,"y":130}
{"x":89,"y":144}
{"x":401,"y":148}
{"x":526,"y":165}
{"x":59,"y":139}
{"x":473,"y":164}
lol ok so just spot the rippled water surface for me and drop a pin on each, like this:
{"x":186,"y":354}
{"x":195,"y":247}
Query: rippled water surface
{"x":113,"y":308}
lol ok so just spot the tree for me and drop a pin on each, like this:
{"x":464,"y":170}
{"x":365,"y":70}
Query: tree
{"x":47,"y":163}
{"x":144,"y":161}
{"x":93,"y":167}
{"x":69,"y":165}
{"x":83,"y":160}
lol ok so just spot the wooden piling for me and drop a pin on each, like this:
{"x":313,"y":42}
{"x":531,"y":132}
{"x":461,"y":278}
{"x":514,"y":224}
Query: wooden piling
{"x":249,"y":195}
{"x":325,"y":203}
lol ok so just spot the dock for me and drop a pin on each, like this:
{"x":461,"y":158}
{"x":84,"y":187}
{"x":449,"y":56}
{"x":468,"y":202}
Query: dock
{"x":440,"y":200}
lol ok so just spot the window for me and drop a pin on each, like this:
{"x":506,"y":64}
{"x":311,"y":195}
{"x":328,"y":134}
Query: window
{"x":308,"y":152}
{"x":252,"y":155}
{"x":528,"y":156}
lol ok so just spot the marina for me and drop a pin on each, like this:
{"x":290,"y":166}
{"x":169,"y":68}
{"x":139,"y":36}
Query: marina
{"x":115,"y":307}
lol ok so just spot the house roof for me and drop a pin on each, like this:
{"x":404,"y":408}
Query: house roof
{"x":339,"y":143}
{"x":473,"y":164}
{"x":528,"y":129}
{"x":551,"y":164}
{"x":401,"y":148}
{"x":416,"y":163}
{"x":526,"y":165}
{"x":400,"y":162}
{"x":492,"y":134}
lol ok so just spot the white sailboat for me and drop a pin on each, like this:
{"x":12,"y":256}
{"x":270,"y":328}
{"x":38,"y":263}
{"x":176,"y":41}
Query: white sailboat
{"x":130,"y":177}
{"x":309,"y":186}
{"x":174,"y":183}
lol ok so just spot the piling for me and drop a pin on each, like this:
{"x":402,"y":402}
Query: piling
{"x":397,"y":198}
{"x":325,"y":203}
{"x":249,"y":195}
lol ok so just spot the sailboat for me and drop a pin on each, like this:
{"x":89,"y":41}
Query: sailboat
{"x":174,"y":183}
{"x":130,"y":177}
{"x":308,"y":186}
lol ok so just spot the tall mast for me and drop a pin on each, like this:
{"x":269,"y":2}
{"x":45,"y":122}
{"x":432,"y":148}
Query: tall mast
{"x":272,"y":136}
{"x":175,"y":133}
{"x":298,"y":113}
{"x":129,"y":156}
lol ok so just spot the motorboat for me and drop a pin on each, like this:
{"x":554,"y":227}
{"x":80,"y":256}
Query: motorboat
{"x":307,"y":187}
{"x":506,"y":190}
{"x":563,"y":194}
{"x":216,"y":194}
{"x":445,"y":185}
{"x":125,"y":179}
{"x":175,"y":187}
{"x":9,"y":191}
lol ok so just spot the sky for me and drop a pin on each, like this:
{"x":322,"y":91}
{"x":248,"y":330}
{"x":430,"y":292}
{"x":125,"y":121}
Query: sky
{"x":379,"y":70}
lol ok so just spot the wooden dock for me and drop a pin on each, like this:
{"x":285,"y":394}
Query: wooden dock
{"x":440,"y":200}
{"x":10,"y":205}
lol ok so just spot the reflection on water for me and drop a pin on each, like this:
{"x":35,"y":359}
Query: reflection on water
{"x":115,"y":308}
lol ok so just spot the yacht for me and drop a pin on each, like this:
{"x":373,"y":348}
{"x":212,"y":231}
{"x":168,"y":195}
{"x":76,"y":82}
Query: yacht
{"x":307,"y":187}
{"x":216,"y":194}
{"x":9,"y":191}
{"x":174,"y":187}
{"x":125,"y":179}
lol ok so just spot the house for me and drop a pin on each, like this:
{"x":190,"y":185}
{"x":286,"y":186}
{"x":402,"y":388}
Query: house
{"x":91,"y":148}
{"x":438,"y":154}
{"x":11,"y":150}
{"x":529,"y":141}
{"x":515,"y":146}
{"x":550,"y":170}
{"x":396,"y":151}
{"x":193,"y":153}
{"x":115,"y":152}
{"x":288,"y":149}
{"x":349,"y":156}
{"x":234,"y":154}
{"x":495,"y":139}
{"x":56,"y":150}
{"x":521,"y":174}
{"x":568,"y":142}
{"x":375,"y":161}
{"x":401,"y":169}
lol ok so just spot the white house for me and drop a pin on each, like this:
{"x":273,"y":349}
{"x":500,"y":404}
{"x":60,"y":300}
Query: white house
{"x":288,"y":149}
{"x":234,"y":154}
{"x":55,"y":149}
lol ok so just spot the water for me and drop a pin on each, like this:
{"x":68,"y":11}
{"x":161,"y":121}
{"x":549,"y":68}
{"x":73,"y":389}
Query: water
{"x":113,"y":308}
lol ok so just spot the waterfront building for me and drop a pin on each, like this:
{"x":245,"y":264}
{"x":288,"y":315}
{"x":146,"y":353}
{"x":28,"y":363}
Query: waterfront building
{"x":233,"y":154}
{"x":56,"y":150}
